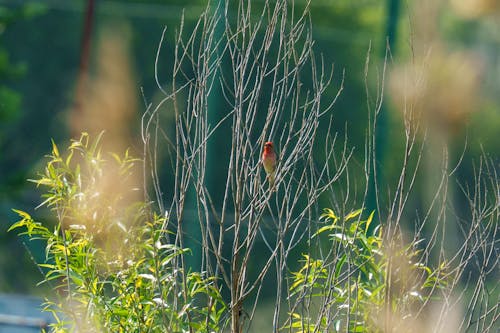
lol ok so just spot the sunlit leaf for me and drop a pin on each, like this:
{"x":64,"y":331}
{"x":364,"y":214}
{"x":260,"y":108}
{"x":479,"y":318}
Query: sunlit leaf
{"x":55,"y":151}
{"x":330,"y":214}
{"x":353,"y":214}
{"x":369,"y":221}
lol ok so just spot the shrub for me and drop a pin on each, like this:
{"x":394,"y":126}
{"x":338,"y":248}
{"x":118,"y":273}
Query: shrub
{"x":362,"y":279}
{"x":111,"y":259}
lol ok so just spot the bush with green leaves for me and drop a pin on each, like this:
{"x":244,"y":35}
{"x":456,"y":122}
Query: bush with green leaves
{"x":360,"y":280}
{"x":110,"y":258}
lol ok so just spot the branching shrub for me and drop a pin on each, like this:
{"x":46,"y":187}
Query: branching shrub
{"x":111,"y":258}
{"x":350,"y":289}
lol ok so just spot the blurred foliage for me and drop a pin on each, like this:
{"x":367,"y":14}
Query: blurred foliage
{"x":13,"y":70}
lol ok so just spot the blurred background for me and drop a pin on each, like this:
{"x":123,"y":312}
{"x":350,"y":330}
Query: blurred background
{"x":81,"y":65}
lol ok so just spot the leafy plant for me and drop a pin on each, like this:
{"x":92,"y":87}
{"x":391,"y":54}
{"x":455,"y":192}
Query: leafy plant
{"x":110,"y":257}
{"x":363,"y":278}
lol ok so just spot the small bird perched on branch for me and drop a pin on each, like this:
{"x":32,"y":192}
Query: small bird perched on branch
{"x":269,"y":160}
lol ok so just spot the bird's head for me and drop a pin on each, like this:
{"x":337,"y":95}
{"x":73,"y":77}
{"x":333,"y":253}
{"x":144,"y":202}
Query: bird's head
{"x":268,"y":146}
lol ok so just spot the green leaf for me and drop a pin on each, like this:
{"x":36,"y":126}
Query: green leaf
{"x":369,"y":221}
{"x":339,"y":265}
{"x":329,"y":214}
{"x":24,"y":222}
{"x":121,"y":312}
{"x":353,"y":214}
{"x":16,"y":225}
{"x":55,"y":151}
{"x":22,"y":214}
{"x":323,"y":229}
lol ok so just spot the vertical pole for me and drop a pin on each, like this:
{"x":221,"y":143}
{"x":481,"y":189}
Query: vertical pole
{"x":212,"y":172}
{"x":380,"y":144}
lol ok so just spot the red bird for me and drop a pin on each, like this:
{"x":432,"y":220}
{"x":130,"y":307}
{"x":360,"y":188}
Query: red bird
{"x":269,"y":160}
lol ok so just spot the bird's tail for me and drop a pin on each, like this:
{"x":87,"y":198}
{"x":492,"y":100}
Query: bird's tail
{"x":271,"y":177}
